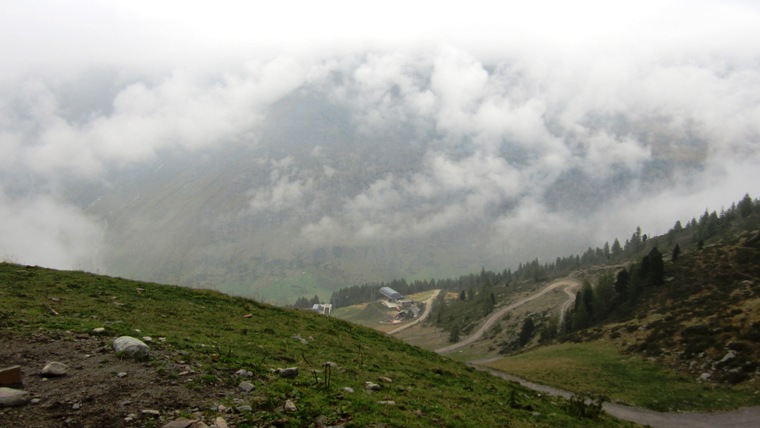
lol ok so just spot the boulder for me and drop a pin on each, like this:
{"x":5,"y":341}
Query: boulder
{"x":131,"y":347}
{"x":288,"y":373}
{"x":246,"y":386}
{"x":10,"y":397}
{"x":54,"y":369}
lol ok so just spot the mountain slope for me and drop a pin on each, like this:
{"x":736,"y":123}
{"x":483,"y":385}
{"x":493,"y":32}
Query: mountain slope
{"x":208,"y":337}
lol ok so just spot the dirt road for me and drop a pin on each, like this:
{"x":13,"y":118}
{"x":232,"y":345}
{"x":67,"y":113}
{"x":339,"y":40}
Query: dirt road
{"x":428,"y":307}
{"x":747,"y":417}
{"x":496,"y":316}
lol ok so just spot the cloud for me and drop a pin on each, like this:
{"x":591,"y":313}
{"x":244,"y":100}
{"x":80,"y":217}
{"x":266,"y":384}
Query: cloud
{"x":283,"y":190}
{"x":471,"y":118}
{"x":45,"y":231}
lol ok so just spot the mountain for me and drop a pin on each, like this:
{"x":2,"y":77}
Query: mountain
{"x":204,"y":345}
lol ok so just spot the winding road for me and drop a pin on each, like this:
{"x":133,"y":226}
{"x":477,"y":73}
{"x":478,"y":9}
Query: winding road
{"x":496,"y":316}
{"x":746,"y":417}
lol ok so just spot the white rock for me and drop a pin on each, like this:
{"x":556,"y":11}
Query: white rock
{"x":131,"y":347}
{"x":13,"y":397}
{"x":99,"y":330}
{"x":55,"y":369}
{"x":246,"y":386}
{"x":290,"y":406}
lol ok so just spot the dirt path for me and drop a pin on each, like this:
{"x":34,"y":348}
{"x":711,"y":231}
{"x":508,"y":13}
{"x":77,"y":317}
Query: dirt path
{"x":491,"y":320}
{"x":746,"y":417}
{"x":423,"y":317}
{"x":570,"y":291}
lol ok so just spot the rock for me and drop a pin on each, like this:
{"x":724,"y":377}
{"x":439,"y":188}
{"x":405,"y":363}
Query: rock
{"x":131,"y":347}
{"x":387,"y":402}
{"x":180,"y":423}
{"x":385,"y":379}
{"x":371,"y":386}
{"x":300,"y":339}
{"x":54,"y":369}
{"x":288,"y":373}
{"x":244,"y":408}
{"x":76,"y":406}
{"x":199,"y":424}
{"x":348,"y":389}
{"x":147,"y":339}
{"x":121,"y":374}
{"x":11,"y":376}
{"x":244,"y":373}
{"x":220,"y":422}
{"x":730,"y":355}
{"x":290,"y":406}
{"x":150,"y":412}
{"x":99,"y":330}
{"x":10,"y":397}
{"x":246,"y":386}
{"x":704,"y":377}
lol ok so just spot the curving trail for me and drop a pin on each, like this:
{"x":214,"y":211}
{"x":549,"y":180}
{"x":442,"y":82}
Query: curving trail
{"x":493,"y":318}
{"x":570,"y":291}
{"x":746,"y":417}
{"x":423,"y":317}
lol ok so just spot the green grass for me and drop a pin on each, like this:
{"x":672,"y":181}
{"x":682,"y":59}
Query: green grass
{"x":599,"y":368}
{"x":429,"y":390}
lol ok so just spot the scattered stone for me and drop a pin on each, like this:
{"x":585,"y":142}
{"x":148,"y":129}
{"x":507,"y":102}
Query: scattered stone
{"x":387,"y":402}
{"x":244,"y":408}
{"x":244,"y":373}
{"x":247,"y":315}
{"x":246,"y":386}
{"x":348,"y":389}
{"x":199,"y":424}
{"x":131,"y":347}
{"x":99,"y":330}
{"x":54,"y":369}
{"x":371,"y":386}
{"x":76,"y":406}
{"x":730,"y":355}
{"x":130,"y":417}
{"x":299,"y":338}
{"x":147,"y":339}
{"x":10,"y":397}
{"x":35,"y":400}
{"x":220,"y":422}
{"x":704,"y":377}
{"x":385,"y":379}
{"x":122,"y":374}
{"x":290,"y":406}
{"x":150,"y":412}
{"x":11,"y":376}
{"x":288,"y":373}
{"x":180,"y":423}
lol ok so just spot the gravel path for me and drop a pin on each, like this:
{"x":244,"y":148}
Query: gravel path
{"x":746,"y":417}
{"x":496,"y":316}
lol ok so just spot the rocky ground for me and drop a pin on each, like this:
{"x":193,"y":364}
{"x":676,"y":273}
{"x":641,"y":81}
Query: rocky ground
{"x":101,"y":388}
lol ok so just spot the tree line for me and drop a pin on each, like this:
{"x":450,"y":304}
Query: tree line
{"x":638,"y":244}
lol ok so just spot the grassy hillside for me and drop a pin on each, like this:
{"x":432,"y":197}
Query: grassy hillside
{"x":690,"y":343}
{"x":202,"y":338}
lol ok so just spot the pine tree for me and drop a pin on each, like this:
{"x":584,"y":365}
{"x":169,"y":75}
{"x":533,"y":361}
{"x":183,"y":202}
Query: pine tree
{"x":676,"y":252}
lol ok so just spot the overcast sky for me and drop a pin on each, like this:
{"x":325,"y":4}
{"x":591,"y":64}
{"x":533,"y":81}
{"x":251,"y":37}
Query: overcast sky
{"x":596,"y":88}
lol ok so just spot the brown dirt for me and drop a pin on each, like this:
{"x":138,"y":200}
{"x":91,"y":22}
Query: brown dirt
{"x":92,"y":394}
